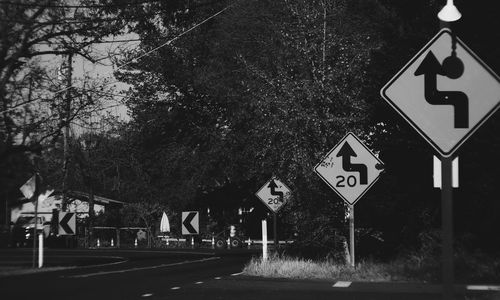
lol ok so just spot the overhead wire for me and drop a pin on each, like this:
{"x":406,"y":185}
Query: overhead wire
{"x":78,"y":6}
{"x":134,"y":60}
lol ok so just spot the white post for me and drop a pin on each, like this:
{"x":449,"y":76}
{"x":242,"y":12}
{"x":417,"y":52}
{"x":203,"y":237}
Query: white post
{"x":112,"y":243}
{"x":213,"y":242}
{"x":228,"y":243}
{"x":135,"y":242}
{"x":99,"y":243}
{"x":249,"y":242}
{"x":192,"y":242}
{"x":40,"y":250}
{"x":264,"y":240}
{"x":168,"y":241}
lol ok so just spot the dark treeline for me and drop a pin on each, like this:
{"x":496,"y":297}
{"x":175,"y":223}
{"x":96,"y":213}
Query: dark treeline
{"x":269,"y":87}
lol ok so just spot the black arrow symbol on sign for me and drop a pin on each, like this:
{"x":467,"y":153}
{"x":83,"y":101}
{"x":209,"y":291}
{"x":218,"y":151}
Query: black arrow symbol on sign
{"x":64,"y":223}
{"x":346,"y":152}
{"x":187,"y":222}
{"x":430,"y":67}
{"x":272,"y":185}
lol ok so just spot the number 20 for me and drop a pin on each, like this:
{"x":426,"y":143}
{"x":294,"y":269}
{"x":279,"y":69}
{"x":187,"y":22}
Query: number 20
{"x":351,"y":181}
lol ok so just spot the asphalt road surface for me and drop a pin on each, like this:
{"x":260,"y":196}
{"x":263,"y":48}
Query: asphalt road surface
{"x":144,"y":274}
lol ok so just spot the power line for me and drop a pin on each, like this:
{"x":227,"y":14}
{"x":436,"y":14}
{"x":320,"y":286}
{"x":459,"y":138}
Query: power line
{"x":63,"y":21}
{"x":94,"y":42}
{"x":131,"y":61}
{"x":78,"y":6}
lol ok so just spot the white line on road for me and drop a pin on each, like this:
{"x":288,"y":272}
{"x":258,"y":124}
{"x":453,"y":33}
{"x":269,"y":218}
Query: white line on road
{"x":342,"y":284}
{"x":236,"y":274}
{"x":483,"y":287}
{"x":176,"y":288}
{"x":143,"y":268}
{"x":146,"y":295}
{"x":217,"y":278}
{"x":198,"y":282}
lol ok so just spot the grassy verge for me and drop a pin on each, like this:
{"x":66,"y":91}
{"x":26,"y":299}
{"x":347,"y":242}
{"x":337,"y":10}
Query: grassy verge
{"x":276,"y":267}
{"x":399,"y":270}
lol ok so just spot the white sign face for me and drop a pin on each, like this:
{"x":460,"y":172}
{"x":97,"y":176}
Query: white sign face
{"x":350,"y":169}
{"x":274,"y":194}
{"x":445,"y":92}
{"x":190,"y":222}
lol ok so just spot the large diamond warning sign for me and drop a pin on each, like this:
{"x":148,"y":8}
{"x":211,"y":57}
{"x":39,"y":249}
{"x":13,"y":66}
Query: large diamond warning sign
{"x":350,"y":169}
{"x":445,"y":92}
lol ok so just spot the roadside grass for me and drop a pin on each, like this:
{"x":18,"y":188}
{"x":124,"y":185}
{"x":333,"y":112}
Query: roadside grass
{"x":296,"y":268}
{"x":403,"y":270}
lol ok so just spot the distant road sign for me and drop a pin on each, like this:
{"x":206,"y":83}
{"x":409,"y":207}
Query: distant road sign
{"x":190,"y":222}
{"x":446,"y":92}
{"x":350,"y":169}
{"x":67,"y":223}
{"x":274,"y":194}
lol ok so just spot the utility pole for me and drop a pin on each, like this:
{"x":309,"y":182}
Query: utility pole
{"x":67,"y":110}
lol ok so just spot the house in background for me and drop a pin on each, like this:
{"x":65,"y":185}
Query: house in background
{"x":78,"y":203}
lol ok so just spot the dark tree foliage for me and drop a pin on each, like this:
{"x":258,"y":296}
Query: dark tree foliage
{"x":268,"y":87}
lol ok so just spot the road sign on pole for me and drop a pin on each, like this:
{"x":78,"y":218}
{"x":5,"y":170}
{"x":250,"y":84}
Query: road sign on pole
{"x":67,"y":223}
{"x":274,"y":194}
{"x":446,"y":92}
{"x":350,"y":169}
{"x":190,"y":222}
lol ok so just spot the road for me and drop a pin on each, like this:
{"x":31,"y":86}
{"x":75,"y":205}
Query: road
{"x":184,"y":274}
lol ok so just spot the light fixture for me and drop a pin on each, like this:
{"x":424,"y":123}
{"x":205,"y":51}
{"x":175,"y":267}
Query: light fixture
{"x":449,"y":13}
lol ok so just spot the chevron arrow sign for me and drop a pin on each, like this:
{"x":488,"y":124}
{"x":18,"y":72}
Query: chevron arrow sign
{"x":67,"y":223}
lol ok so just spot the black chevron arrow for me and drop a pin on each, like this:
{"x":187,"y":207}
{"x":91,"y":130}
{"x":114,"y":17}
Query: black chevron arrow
{"x":346,"y":152}
{"x":187,"y":222}
{"x":64,"y":223}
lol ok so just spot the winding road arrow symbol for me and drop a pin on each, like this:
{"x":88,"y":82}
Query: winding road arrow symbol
{"x":430,"y":67}
{"x":187,"y":223}
{"x":272,"y":185}
{"x":346,"y":153}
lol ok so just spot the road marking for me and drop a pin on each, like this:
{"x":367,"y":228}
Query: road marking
{"x":176,"y":288}
{"x":483,"y":287}
{"x":198,"y":282}
{"x":217,"y":278}
{"x":236,"y":274}
{"x":143,"y":268}
{"x":342,"y":284}
{"x":146,"y":295}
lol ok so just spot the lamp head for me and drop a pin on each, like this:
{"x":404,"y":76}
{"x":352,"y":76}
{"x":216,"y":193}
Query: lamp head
{"x":449,"y":13}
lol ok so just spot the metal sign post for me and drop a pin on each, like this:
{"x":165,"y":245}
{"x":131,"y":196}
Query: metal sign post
{"x":275,"y":231}
{"x":447,"y":227}
{"x":35,"y":238}
{"x":35,"y":225}
{"x":351,"y":234}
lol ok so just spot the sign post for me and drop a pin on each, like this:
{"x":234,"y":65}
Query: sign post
{"x":351,"y":234}
{"x":274,"y":194}
{"x":447,"y":224}
{"x":350,"y":169}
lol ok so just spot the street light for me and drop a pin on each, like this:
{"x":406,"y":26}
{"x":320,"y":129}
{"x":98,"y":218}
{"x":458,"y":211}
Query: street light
{"x":449,"y":13}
